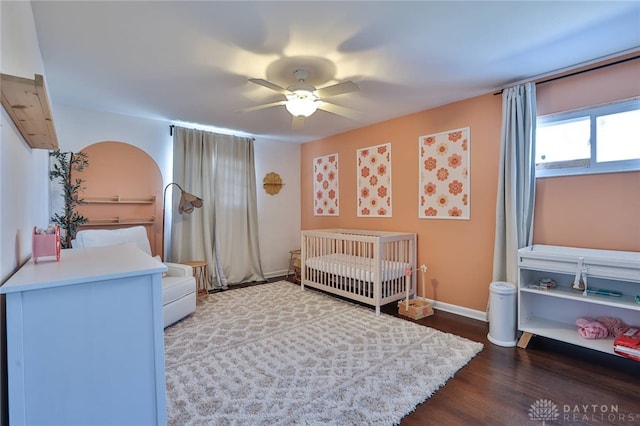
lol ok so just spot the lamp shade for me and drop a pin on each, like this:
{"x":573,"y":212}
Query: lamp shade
{"x":188,"y":202}
{"x":301,"y":103}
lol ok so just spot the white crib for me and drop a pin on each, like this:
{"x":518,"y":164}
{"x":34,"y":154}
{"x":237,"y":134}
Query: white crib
{"x":365,"y":266}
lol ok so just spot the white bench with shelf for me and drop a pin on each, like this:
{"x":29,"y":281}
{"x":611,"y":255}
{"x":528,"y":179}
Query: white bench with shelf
{"x":552,"y":313}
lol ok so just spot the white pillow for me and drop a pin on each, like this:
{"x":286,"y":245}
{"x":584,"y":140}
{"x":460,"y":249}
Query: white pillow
{"x":136,"y":235}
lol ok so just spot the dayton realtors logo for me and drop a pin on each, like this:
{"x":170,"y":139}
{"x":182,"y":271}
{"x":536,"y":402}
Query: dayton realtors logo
{"x":545,"y":410}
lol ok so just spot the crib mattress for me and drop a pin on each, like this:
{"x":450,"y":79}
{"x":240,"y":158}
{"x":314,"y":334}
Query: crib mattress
{"x":356,"y":267}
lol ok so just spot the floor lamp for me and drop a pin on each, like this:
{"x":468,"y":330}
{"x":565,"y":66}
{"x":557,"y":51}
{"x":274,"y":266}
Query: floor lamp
{"x":187,"y":203}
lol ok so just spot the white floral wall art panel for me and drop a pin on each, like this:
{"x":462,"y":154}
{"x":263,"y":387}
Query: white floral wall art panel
{"x":444,"y":175}
{"x":325,"y":186}
{"x":374,"y":181}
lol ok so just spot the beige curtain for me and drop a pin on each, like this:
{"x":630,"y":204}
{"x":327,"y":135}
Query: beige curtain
{"x":224,"y":232}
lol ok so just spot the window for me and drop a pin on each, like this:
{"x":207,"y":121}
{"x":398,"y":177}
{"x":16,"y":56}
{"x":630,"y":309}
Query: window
{"x":603,"y":139}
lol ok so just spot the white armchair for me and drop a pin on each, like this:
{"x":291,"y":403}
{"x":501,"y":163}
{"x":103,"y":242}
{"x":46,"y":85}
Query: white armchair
{"x":178,"y":284}
{"x":178,"y":292}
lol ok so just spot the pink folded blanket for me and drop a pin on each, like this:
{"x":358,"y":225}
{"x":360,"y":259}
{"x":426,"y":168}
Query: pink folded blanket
{"x":615,"y":326}
{"x":589,"y":328}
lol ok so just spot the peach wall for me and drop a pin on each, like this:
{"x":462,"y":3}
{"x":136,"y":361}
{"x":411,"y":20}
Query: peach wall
{"x":459,"y":253}
{"x":613,"y":83}
{"x":595,"y":211}
{"x":117,"y":168}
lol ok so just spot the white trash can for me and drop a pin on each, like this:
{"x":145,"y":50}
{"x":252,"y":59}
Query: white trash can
{"x":502,"y":313}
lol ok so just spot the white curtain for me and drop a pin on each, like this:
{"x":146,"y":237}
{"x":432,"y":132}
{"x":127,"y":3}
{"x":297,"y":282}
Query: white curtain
{"x":224,"y":232}
{"x":516,"y":183}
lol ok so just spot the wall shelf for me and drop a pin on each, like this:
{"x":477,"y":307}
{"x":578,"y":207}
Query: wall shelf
{"x":27,"y":103}
{"x":122,"y":205}
{"x":117,"y":221}
{"x":116,"y":199}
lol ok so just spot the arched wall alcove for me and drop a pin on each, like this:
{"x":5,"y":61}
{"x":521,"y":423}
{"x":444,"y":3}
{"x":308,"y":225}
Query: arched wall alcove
{"x":123,"y":188}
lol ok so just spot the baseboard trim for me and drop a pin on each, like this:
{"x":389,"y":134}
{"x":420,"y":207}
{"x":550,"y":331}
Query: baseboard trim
{"x":447,"y":307}
{"x":273,"y":274}
{"x":458,"y":310}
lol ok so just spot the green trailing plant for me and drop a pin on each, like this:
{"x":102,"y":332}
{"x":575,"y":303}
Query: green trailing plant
{"x":64,"y":164}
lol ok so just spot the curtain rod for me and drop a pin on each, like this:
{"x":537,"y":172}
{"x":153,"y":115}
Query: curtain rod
{"x":171,"y":126}
{"x":581,"y":71}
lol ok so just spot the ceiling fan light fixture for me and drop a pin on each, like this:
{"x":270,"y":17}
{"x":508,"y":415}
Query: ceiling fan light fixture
{"x":303,"y":99}
{"x":301,"y":104}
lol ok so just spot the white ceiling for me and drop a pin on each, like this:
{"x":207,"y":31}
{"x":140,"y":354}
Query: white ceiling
{"x":190,"y":61}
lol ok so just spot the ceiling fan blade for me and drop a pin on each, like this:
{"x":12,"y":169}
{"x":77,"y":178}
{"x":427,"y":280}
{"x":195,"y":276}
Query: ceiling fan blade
{"x":259,"y":107}
{"x":297,"y":122}
{"x":269,"y":85}
{"x":337,"y":89}
{"x":340,"y":110}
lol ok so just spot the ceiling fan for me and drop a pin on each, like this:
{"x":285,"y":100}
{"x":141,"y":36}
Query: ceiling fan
{"x":303,"y":99}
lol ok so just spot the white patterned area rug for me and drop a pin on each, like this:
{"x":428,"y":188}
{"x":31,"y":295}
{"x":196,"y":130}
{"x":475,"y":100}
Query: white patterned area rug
{"x":274,"y":354}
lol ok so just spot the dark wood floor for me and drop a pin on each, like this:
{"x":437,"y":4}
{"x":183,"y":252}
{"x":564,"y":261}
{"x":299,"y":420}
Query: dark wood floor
{"x":500,"y":385}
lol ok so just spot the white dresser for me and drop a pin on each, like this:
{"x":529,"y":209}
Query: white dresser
{"x":85,"y":342}
{"x":552,"y":313}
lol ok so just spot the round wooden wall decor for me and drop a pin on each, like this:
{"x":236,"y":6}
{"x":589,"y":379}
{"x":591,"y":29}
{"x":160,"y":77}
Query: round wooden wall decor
{"x":272,"y":183}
